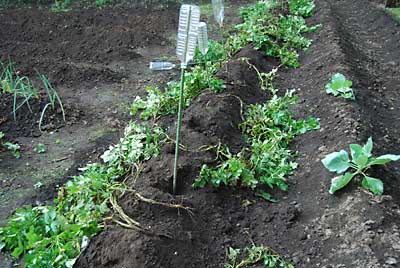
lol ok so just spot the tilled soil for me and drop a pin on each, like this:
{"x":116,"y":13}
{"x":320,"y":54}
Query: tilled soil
{"x":97,"y":60}
{"x":308,"y":226}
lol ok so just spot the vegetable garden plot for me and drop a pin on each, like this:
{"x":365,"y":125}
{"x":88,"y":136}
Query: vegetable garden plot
{"x":308,"y":226}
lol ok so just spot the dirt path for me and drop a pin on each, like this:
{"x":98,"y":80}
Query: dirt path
{"x":309,"y":226}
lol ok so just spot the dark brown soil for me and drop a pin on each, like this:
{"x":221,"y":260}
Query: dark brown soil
{"x":69,"y":47}
{"x":26,"y":121}
{"x":87,"y":51}
{"x":308,"y":225}
{"x":97,"y":60}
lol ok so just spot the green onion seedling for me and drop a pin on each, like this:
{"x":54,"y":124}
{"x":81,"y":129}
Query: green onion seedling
{"x":189,"y":19}
{"x":203,"y":38}
{"x":161,"y":66}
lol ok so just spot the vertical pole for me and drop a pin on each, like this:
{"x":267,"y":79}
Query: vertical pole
{"x":178,"y":128}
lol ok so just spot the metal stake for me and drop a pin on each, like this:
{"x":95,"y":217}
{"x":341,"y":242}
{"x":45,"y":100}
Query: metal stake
{"x":178,"y":128}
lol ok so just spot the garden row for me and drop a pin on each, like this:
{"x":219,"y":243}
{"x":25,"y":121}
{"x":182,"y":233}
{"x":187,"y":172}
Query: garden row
{"x":221,"y":93}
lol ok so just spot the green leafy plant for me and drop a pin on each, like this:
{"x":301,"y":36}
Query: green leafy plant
{"x":13,"y":147}
{"x":53,"y":236}
{"x":40,"y":148}
{"x":140,"y":142}
{"x":361,"y":160}
{"x":256,"y":256}
{"x":268,"y":128}
{"x":163,"y":102}
{"x":103,"y":3}
{"x":304,"y":8}
{"x":277,"y":35}
{"x":215,"y":55}
{"x":339,"y":86}
{"x":61,"y":6}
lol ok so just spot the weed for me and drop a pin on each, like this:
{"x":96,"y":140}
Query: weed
{"x":40,"y":148}
{"x":38,"y":185}
{"x":256,"y":256}
{"x":13,"y":147}
{"x":361,"y":161}
{"x":339,"y":86}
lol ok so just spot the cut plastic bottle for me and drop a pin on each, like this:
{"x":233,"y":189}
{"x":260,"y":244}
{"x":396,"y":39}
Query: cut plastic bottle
{"x":189,"y":19}
{"x":218,"y":10}
{"x":161,"y":65}
{"x":203,"y":38}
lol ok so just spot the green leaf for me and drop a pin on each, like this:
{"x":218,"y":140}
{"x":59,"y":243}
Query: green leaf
{"x":340,"y":181}
{"x":368,"y":147}
{"x":358,"y":155}
{"x":17,"y":251}
{"x":40,"y":148}
{"x":266,"y":196}
{"x":233,"y":253}
{"x":372,"y":184}
{"x":384,"y":159}
{"x":2,"y":245}
{"x":336,"y":162}
{"x":340,"y":86}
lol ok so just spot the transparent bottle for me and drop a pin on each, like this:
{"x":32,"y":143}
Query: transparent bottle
{"x":189,"y":18}
{"x":161,"y":65}
{"x":203,"y":38}
{"x":218,"y":10}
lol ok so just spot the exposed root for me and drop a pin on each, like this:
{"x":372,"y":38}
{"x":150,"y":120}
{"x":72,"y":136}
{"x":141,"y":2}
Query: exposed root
{"x":127,"y":222}
{"x":158,"y":203}
{"x":203,"y":148}
{"x":122,"y":219}
{"x":239,"y":99}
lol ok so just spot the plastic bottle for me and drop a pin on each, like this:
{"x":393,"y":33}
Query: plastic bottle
{"x":189,"y":18}
{"x":218,"y":10}
{"x":161,"y":65}
{"x":203,"y":38}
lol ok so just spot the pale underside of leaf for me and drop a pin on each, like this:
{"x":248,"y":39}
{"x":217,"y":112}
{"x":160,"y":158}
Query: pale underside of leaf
{"x":340,"y":181}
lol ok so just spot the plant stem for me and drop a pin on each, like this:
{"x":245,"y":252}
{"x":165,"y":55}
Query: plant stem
{"x":178,"y":128}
